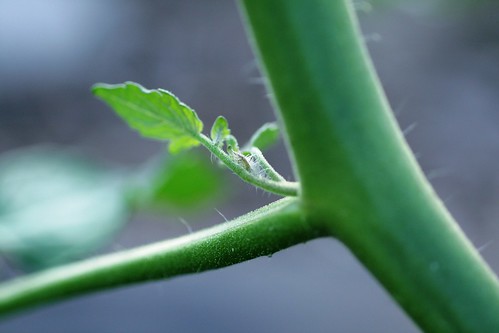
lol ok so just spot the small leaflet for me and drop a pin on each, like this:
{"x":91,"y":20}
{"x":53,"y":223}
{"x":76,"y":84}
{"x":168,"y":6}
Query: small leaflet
{"x":265,"y":137}
{"x":155,"y":114}
{"x":220,"y":131}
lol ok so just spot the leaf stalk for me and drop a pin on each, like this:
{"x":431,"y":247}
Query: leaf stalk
{"x":280,"y":187}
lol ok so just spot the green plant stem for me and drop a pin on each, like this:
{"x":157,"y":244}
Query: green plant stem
{"x":283,"y":188}
{"x":356,"y":171}
{"x":259,"y":233}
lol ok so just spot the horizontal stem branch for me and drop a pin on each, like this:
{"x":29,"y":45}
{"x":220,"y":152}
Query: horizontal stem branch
{"x":261,"y":232}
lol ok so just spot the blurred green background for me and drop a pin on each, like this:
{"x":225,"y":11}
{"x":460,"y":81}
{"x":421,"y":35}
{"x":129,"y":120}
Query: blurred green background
{"x":439,"y":64}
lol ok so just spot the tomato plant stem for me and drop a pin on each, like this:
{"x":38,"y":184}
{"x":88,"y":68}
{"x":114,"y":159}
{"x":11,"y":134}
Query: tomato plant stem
{"x":259,"y":233}
{"x":356,"y":172}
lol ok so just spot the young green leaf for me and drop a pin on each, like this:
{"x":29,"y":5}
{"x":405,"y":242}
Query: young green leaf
{"x":160,"y":115}
{"x":232,"y":142}
{"x":264,"y":137}
{"x":155,"y":114}
{"x":220,"y":130}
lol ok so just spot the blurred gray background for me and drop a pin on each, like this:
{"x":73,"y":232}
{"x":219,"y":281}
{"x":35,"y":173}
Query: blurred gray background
{"x":438,"y":64}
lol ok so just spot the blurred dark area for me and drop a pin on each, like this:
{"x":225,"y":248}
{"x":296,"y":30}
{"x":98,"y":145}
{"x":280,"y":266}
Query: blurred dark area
{"x":440,"y":70}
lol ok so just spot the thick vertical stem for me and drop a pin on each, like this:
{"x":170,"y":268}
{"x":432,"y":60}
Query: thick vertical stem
{"x":356,"y":171}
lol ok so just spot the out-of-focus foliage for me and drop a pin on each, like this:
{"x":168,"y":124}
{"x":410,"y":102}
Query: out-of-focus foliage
{"x":264,"y":138}
{"x":179,"y":182}
{"x":56,"y":206}
{"x":442,"y":6}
